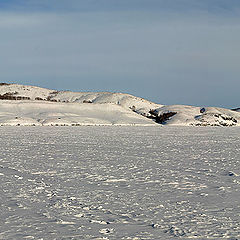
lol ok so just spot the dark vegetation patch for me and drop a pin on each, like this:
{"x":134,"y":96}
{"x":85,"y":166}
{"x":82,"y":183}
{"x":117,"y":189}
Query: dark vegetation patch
{"x":39,"y":99}
{"x":87,"y":101}
{"x":220,"y":120}
{"x":5,"y":84}
{"x":133,"y":108}
{"x":12,"y":96}
{"x":162,"y":118}
{"x":236,"y":109}
{"x":54,"y":92}
{"x":49,"y":98}
{"x":224,"y":117}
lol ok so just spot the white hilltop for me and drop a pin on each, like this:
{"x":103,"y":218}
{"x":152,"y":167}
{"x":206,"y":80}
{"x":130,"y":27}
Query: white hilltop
{"x":127,"y":101}
{"x":30,"y":105}
{"x":182,"y":115}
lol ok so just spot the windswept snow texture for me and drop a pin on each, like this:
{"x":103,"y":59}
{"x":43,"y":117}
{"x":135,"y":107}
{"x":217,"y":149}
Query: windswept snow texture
{"x":120,"y":183}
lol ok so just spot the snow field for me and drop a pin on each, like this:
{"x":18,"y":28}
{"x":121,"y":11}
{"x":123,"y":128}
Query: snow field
{"x":120,"y":183}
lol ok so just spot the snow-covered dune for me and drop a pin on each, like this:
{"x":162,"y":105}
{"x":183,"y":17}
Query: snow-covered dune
{"x":188,"y":115}
{"x":68,"y":114}
{"x":139,"y":105}
{"x":40,"y":106}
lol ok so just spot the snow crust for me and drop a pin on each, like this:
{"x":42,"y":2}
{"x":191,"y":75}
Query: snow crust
{"x":155,"y":183}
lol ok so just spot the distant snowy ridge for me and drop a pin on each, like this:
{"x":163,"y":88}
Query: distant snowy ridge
{"x":193,"y":116}
{"x":14,"y":91}
{"x":40,"y":106}
{"x":30,"y":105}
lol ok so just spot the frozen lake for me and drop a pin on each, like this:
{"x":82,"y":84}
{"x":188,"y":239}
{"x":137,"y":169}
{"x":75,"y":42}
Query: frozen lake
{"x":119,"y":183}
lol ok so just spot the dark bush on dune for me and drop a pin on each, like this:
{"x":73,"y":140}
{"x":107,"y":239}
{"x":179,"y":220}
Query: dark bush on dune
{"x":163,"y":117}
{"x":6,"y":84}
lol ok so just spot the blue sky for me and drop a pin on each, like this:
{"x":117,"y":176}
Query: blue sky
{"x":168,"y":51}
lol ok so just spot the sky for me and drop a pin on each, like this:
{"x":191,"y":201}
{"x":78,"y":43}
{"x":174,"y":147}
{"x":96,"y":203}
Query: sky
{"x":167,"y":51}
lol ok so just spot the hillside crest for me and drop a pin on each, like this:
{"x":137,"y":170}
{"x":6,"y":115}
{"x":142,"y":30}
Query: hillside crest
{"x":30,"y":105}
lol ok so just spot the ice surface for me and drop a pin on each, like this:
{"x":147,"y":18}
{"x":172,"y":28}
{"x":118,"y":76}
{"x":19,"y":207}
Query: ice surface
{"x":119,"y":183}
